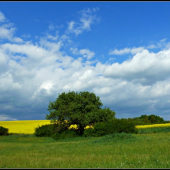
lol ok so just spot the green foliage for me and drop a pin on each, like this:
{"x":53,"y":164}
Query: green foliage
{"x":102,"y":128}
{"x":124,"y":125}
{"x":115,"y":126}
{"x":50,"y":129}
{"x":138,"y":121}
{"x":155,"y":119}
{"x":44,"y":130}
{"x":150,"y":119}
{"x":3,"y":131}
{"x":167,"y":121}
{"x":153,"y":130}
{"x":82,"y":109}
{"x":88,"y":132}
{"x":65,"y":134}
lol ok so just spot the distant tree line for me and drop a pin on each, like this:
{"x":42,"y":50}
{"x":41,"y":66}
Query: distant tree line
{"x":149,"y":119}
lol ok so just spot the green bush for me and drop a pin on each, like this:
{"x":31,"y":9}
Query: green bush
{"x":3,"y":131}
{"x":49,"y":129}
{"x":65,"y":134}
{"x":115,"y":126}
{"x":138,"y":122}
{"x":124,"y":125}
{"x":44,"y":130}
{"x":56,"y":136}
{"x":88,"y":132}
{"x":101,"y":129}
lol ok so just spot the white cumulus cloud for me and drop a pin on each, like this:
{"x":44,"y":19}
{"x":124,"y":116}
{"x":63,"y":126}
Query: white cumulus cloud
{"x":144,"y":67}
{"x":32,"y":74}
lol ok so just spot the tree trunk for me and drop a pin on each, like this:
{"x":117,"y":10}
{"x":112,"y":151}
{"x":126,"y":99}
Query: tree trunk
{"x":81,"y":130}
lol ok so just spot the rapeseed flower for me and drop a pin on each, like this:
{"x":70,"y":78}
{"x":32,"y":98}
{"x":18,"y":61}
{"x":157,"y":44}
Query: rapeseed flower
{"x":28,"y":126}
{"x":23,"y":126}
{"x":152,"y":126}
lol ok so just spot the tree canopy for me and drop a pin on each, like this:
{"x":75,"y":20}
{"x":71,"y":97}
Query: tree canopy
{"x":82,"y":108}
{"x":150,"y":119}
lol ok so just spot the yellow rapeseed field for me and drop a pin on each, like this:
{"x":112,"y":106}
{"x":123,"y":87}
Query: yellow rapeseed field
{"x":23,"y":126}
{"x":151,"y":126}
{"x":27,"y":126}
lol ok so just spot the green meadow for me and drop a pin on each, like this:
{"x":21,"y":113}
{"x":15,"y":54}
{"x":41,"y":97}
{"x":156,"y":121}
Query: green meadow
{"x":110,"y":151}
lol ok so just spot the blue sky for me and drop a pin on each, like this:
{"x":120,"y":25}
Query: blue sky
{"x":118,"y":50}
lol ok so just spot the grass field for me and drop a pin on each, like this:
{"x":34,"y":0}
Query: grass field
{"x":126,"y":151}
{"x":110,"y":151}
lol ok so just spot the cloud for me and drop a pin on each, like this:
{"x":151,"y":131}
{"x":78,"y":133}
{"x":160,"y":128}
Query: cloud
{"x":51,"y":37}
{"x":26,"y":36}
{"x":51,"y":27}
{"x":71,"y":25}
{"x":133,"y":50}
{"x":144,"y":68}
{"x":74,"y":50}
{"x":7,"y":31}
{"x":85,"y":52}
{"x":163,"y":40}
{"x":151,"y":46}
{"x":32,"y":74}
{"x":2,"y":17}
{"x":87,"y":18}
{"x":136,"y":86}
{"x":161,"y":44}
{"x":5,"y":118}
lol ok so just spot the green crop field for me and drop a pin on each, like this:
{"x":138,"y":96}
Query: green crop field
{"x":121,"y":151}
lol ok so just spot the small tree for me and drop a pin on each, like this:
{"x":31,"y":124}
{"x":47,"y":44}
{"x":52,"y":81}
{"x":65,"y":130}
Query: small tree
{"x":82,"y":109}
